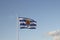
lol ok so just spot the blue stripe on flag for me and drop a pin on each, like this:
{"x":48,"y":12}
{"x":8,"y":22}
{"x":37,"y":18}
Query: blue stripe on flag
{"x":23,"y":24}
{"x":22,"y":20}
{"x":32,"y":24}
{"x":25,"y":21}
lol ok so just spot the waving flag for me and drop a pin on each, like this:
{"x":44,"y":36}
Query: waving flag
{"x":27,"y":23}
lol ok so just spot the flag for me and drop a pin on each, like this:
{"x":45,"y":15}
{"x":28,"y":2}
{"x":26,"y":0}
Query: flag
{"x":27,"y":23}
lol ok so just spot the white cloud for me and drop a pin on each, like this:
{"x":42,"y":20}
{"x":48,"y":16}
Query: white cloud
{"x":55,"y":34}
{"x":56,"y":38}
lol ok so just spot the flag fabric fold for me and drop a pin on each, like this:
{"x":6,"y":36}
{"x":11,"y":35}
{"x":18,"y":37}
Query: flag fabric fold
{"x":27,"y":23}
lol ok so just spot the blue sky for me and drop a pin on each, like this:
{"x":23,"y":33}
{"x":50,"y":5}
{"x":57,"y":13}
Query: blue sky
{"x":45,"y":12}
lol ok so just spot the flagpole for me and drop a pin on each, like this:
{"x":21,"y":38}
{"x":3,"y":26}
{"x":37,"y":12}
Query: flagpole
{"x":17,"y":28}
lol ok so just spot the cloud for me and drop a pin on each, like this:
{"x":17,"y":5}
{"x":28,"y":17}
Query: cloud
{"x":56,"y":38}
{"x":55,"y":34}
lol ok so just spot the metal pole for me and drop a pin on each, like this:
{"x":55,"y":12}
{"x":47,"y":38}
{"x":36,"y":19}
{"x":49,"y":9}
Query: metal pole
{"x":17,"y":34}
{"x":17,"y":28}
